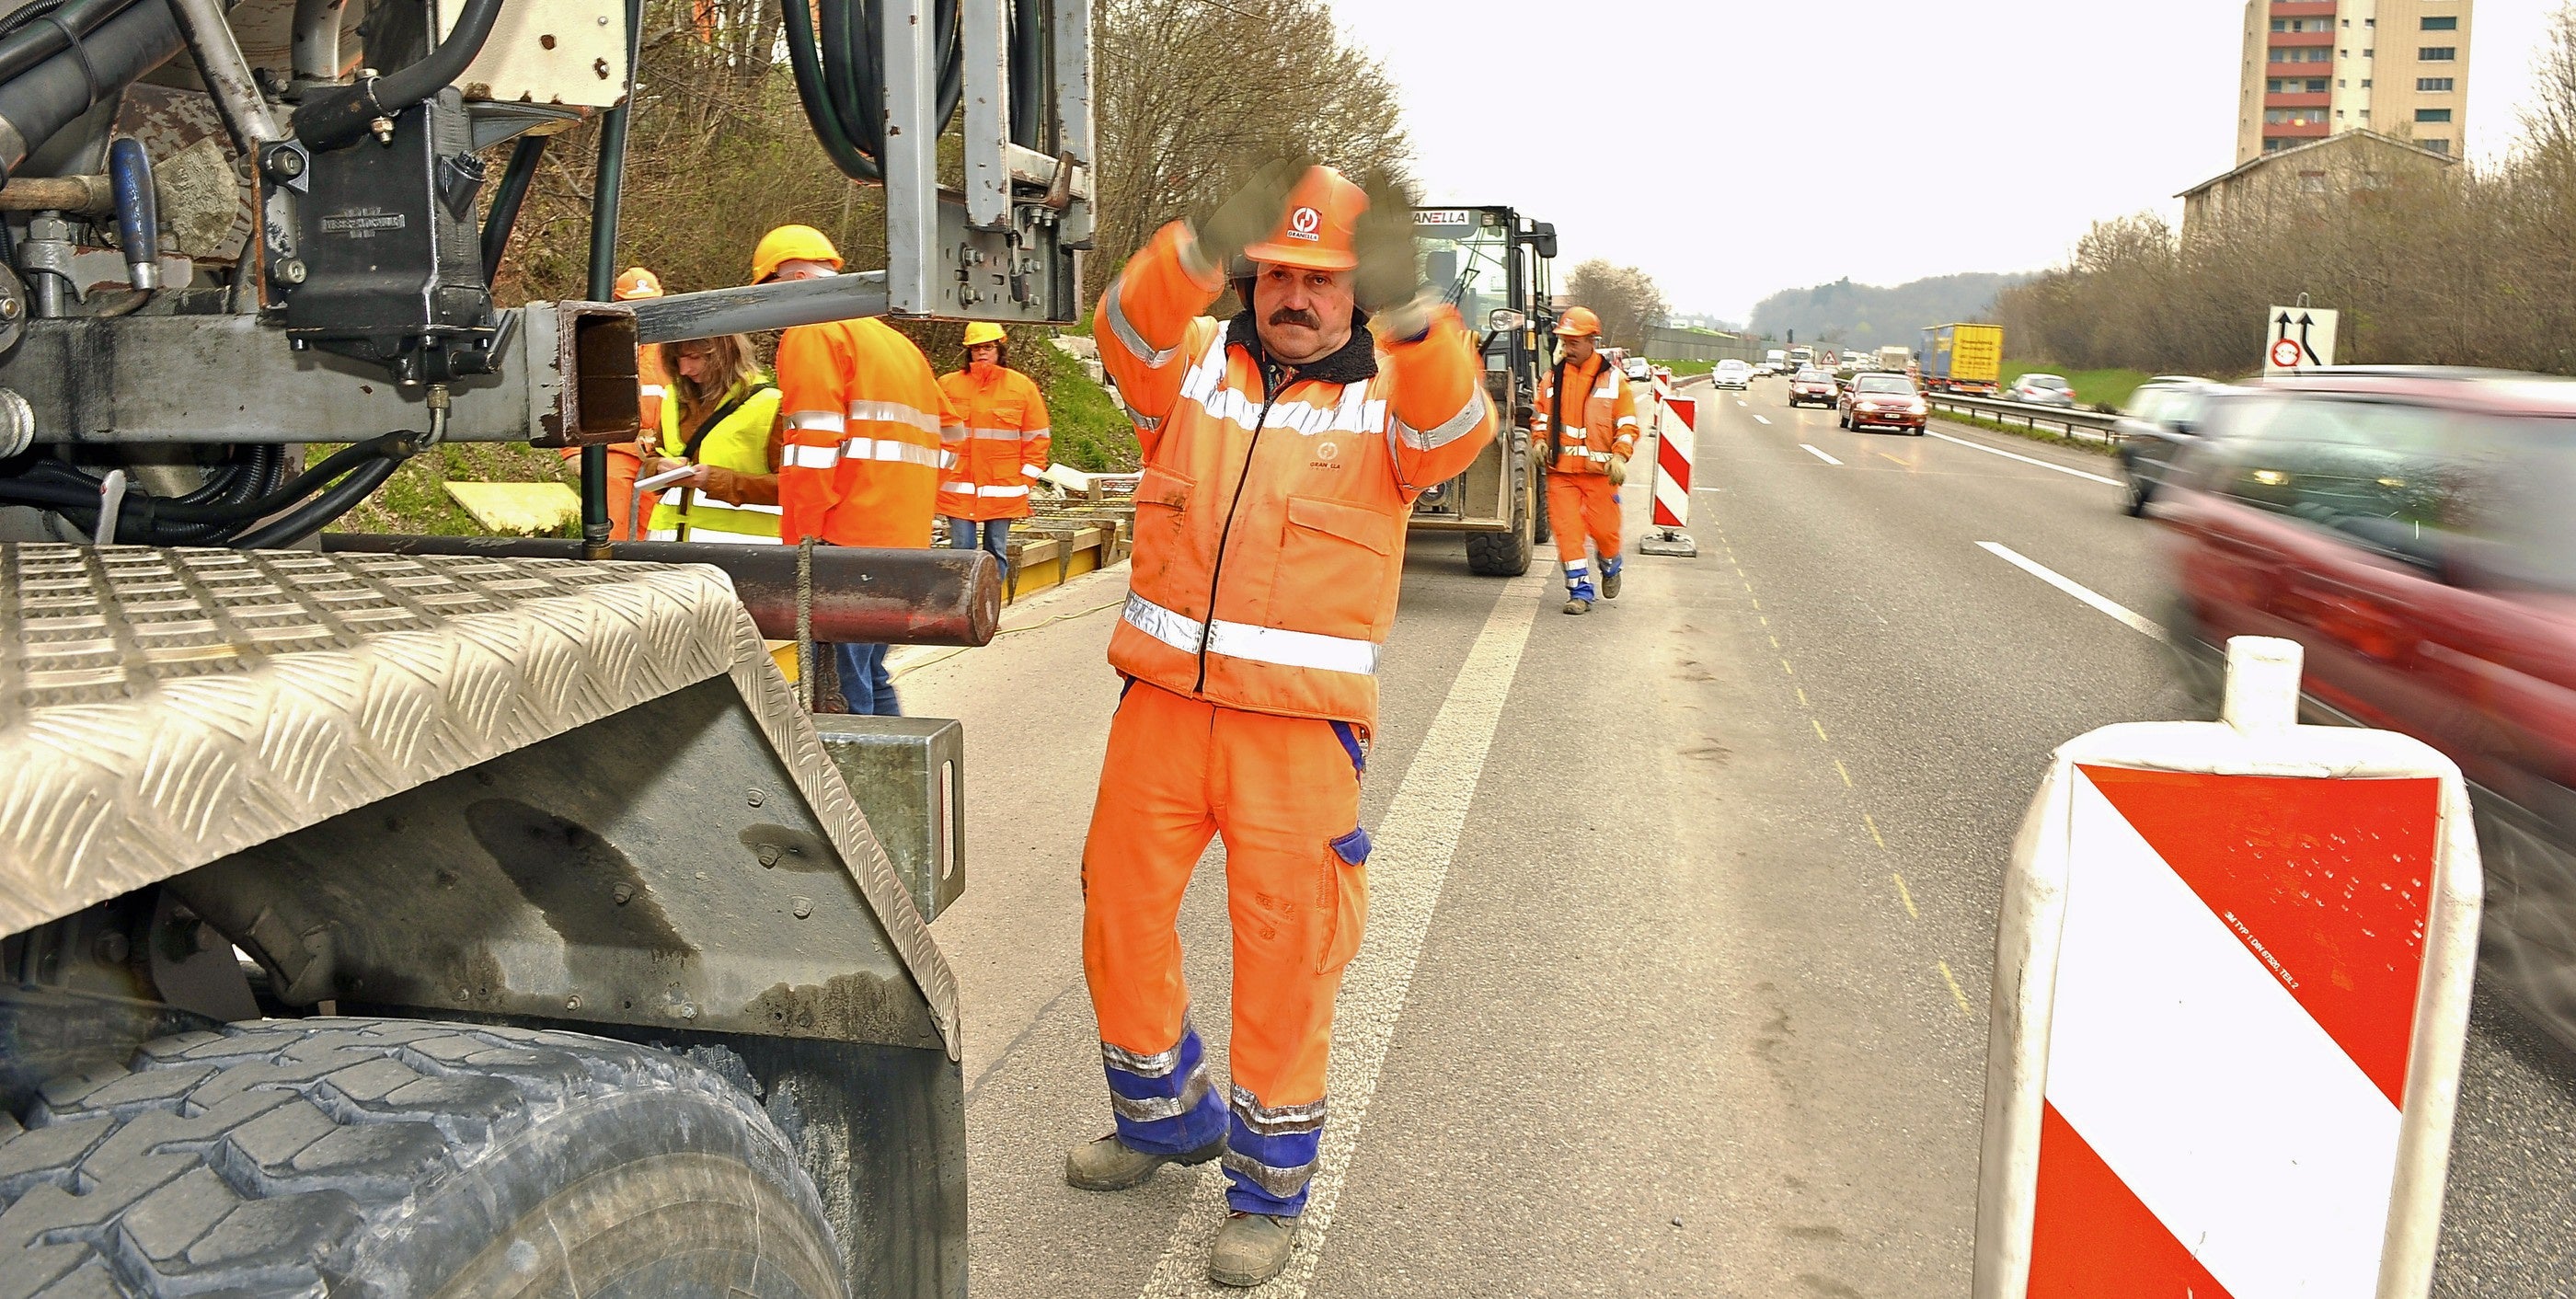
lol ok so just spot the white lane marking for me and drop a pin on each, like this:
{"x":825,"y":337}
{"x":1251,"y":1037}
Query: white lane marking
{"x":1407,"y":870}
{"x":1742,"y":402}
{"x":1999,"y":451}
{"x":2120,"y":612}
{"x":1759,"y":420}
{"x":1811,"y":450}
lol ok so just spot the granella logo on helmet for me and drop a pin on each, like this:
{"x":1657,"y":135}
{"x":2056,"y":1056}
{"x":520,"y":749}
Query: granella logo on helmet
{"x":1304,"y":223}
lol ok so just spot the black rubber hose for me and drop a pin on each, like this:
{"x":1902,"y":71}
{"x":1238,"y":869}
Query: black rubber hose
{"x":840,"y":77}
{"x":334,"y":117}
{"x":38,"y":40}
{"x":506,"y":200}
{"x":83,"y":489}
{"x":318,"y":513}
{"x":804,"y":58}
{"x":51,"y":95}
{"x":1029,"y":74}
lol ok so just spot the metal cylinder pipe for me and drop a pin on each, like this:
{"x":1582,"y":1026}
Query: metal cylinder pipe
{"x":861,"y":596}
{"x":679,"y":317}
{"x":226,"y":73}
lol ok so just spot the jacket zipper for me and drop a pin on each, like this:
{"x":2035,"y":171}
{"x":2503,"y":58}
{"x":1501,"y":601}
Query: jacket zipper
{"x":1216,"y":571}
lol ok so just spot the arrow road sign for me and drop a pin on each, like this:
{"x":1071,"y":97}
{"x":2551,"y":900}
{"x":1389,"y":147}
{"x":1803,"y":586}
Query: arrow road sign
{"x":2301,"y":338}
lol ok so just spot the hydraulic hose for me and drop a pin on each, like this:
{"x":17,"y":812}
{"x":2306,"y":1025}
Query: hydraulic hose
{"x":334,"y":117}
{"x":342,"y":498}
{"x":506,"y":200}
{"x":40,"y":39}
{"x":840,"y":76}
{"x":46,"y":98}
{"x":77,"y":490}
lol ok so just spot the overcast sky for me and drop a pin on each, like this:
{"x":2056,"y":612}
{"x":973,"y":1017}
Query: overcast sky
{"x":1734,"y":149}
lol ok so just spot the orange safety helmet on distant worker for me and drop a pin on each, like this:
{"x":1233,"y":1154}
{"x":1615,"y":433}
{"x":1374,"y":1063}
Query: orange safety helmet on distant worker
{"x":791,"y":244}
{"x":1319,"y":230}
{"x":638,"y":283}
{"x":1577,"y":322}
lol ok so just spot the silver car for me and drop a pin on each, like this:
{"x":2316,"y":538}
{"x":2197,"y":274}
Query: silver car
{"x":2042,"y":390}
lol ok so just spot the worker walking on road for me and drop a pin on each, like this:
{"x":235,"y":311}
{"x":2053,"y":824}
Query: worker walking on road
{"x":1587,"y":417}
{"x":1282,"y":451}
{"x":864,"y":421}
{"x":997,"y":453}
{"x":720,"y":423}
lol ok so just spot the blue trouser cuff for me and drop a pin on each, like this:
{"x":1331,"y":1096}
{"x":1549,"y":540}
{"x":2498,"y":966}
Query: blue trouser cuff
{"x":1270,"y":1155}
{"x":1164,"y":1103}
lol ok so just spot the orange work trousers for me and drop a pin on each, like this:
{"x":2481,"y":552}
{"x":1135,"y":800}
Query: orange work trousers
{"x":625,"y":465}
{"x":1579,"y":507}
{"x":1284,"y":792}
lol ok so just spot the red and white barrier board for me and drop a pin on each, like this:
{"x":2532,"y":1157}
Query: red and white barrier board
{"x":2231,"y":989}
{"x":1675,"y":434}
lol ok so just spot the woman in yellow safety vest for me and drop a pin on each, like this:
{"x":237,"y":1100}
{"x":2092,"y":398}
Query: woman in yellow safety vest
{"x":721,"y":420}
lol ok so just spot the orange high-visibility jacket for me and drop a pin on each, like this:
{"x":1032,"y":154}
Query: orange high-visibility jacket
{"x":1270,"y":519}
{"x":861,"y":458}
{"x":1609,"y":407}
{"x":1000,"y":448}
{"x":652,"y":386}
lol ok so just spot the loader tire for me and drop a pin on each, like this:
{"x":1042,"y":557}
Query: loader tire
{"x":391,"y":1157}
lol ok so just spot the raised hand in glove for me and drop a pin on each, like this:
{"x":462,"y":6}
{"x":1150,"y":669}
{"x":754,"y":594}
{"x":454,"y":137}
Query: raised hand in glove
{"x":1249,"y":214}
{"x":1388,"y":282}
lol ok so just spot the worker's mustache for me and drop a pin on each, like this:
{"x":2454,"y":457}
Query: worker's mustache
{"x":1295,"y":316}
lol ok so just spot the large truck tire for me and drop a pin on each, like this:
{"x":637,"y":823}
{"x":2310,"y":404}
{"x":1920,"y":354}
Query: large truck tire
{"x":390,"y":1157}
{"x":1505,"y":554}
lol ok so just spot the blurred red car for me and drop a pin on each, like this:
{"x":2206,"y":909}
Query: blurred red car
{"x":1884,"y":399}
{"x":2415,"y":531}
{"x":1812,"y":385}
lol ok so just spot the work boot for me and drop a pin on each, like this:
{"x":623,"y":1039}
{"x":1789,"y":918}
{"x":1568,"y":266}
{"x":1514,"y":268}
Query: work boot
{"x":1610,"y":579}
{"x":1110,"y":1164}
{"x":1577,"y":604}
{"x":1251,"y":1248}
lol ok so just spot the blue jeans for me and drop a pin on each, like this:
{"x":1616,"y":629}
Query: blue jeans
{"x":996,"y":533}
{"x":865,"y":683}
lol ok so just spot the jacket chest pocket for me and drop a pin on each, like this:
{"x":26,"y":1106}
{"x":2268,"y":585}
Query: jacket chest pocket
{"x":1333,"y":565}
{"x":1162,"y":518}
{"x":1009,"y":414}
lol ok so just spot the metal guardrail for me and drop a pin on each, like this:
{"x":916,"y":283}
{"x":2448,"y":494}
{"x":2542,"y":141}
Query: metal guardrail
{"x":2086,"y":425}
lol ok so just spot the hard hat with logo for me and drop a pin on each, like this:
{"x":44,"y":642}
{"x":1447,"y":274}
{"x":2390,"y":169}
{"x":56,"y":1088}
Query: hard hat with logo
{"x":982,"y":331}
{"x":1577,"y":322}
{"x":1318,"y":231}
{"x":791,"y":244}
{"x":638,"y":283}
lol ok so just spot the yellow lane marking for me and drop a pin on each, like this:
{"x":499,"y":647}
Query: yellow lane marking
{"x":1757,"y":605}
{"x":1820,"y":730}
{"x":1802,"y":696}
{"x":1775,"y":642}
{"x":1846,"y":774}
{"x":1892,"y":459}
{"x":1905,"y":897}
{"x":1762,"y":620}
{"x":1873,"y":830}
{"x":1953,"y":981}
{"x":1786,"y":669}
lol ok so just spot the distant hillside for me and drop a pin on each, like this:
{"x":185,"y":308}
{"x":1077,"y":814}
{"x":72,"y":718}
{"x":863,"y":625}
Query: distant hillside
{"x":1872,"y":316}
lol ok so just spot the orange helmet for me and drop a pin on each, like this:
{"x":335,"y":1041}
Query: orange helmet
{"x":1318,"y":230}
{"x":1577,"y":322}
{"x":637,"y":283}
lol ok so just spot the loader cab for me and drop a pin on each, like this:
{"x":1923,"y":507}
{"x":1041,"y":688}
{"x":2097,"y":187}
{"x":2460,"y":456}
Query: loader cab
{"x":1495,"y":267}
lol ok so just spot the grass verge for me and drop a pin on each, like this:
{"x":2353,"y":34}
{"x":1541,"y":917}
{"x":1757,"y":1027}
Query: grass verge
{"x":2110,"y":388}
{"x":415,"y":499}
{"x":2025,"y":432}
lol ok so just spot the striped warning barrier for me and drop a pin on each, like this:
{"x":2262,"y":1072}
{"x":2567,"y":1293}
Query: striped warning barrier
{"x":2231,"y":988}
{"x":1676,"y":432}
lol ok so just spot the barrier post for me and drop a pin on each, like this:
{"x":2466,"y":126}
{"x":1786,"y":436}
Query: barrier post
{"x":1672,"y":479}
{"x":2230,"y":996}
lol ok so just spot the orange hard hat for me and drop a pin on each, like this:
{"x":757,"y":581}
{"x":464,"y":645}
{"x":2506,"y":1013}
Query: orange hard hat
{"x":1577,"y":322}
{"x":1319,"y":229}
{"x":638,"y":283}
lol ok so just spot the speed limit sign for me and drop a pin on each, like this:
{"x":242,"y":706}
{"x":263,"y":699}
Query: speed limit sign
{"x":2285,"y":354}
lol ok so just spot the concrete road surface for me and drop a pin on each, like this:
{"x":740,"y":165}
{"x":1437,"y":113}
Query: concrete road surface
{"x":1682,"y":911}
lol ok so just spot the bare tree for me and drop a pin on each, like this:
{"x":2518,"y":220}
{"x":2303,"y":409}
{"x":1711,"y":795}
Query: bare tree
{"x":1626,"y":298}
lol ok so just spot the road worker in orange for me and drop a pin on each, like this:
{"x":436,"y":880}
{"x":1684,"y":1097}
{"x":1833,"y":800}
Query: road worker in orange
{"x":1000,"y":450}
{"x":1587,"y":418}
{"x":626,"y":459}
{"x":1283,"y":449}
{"x":864,"y":419}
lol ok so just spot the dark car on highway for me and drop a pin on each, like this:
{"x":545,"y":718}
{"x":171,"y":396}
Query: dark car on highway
{"x":1811,"y":385}
{"x":2162,"y":417}
{"x":2413,"y":530}
{"x":1886,"y":400}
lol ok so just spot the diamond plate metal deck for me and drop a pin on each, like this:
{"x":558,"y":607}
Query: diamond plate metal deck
{"x":160,"y":709}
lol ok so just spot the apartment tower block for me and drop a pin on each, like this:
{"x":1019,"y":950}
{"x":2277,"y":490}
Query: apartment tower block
{"x":2314,"y":68}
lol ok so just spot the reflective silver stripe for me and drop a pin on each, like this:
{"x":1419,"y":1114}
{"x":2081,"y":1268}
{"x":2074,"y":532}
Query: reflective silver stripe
{"x":652,"y":390}
{"x":1576,"y":565}
{"x":798,"y":457}
{"x":1291,"y":649}
{"x":1283,"y":1183}
{"x":712,"y":536}
{"x":1273,"y":1122}
{"x":1609,"y":388}
{"x":1450,"y":430}
{"x":1158,"y":1065}
{"x":970,"y":489}
{"x":1043,"y":430}
{"x":1126,"y":331}
{"x":817,"y":419}
{"x":1149,"y":423}
{"x":895,"y":412}
{"x":714,"y":505}
{"x":1154,"y":1109}
{"x":889,"y":449}
{"x":1005,"y":434}
{"x":1627,"y":421}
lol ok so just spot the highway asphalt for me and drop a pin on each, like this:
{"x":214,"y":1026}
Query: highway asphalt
{"x":1683,"y":911}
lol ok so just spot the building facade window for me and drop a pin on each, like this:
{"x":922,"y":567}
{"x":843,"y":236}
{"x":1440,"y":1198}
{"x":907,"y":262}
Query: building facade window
{"x":2432,"y":115}
{"x":2294,"y":116}
{"x":2438,"y":53}
{"x":2437,"y":146}
{"x":2433,"y":85}
{"x":2303,"y":54}
{"x":2445,"y":23}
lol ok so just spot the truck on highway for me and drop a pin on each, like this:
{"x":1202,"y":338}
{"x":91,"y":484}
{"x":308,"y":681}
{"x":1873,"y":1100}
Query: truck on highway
{"x":1495,"y":266}
{"x":1801,"y":358}
{"x":1895,"y":358}
{"x":1963,"y":358}
{"x":437,"y":916}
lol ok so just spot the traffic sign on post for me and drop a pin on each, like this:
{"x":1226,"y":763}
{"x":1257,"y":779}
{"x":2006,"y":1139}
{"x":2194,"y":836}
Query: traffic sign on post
{"x":2297,"y":338}
{"x":1675,"y":434}
{"x":2231,"y":989}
